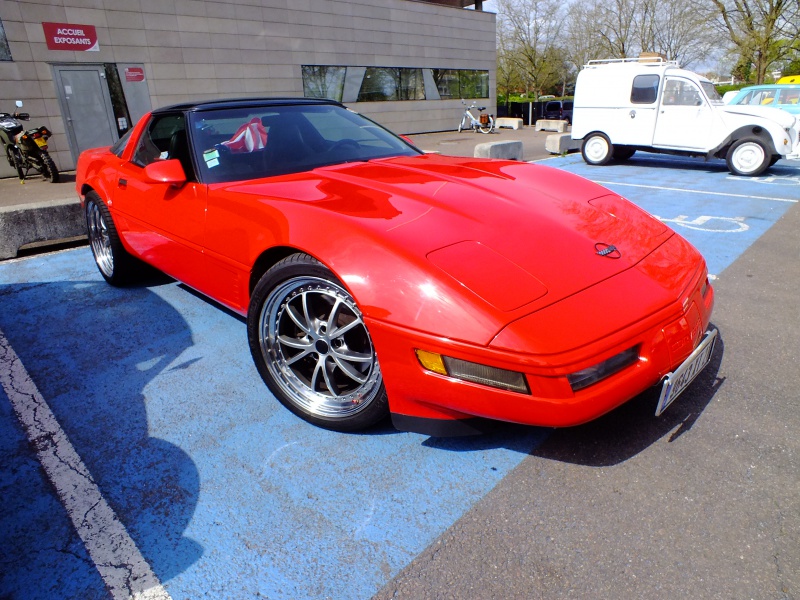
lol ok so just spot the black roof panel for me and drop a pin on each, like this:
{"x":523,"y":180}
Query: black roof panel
{"x":241,"y":103}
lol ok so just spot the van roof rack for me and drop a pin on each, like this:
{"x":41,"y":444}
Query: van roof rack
{"x":645,"y":59}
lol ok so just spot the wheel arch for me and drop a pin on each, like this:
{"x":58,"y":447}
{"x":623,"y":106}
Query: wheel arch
{"x":746,"y":131}
{"x":269,"y":257}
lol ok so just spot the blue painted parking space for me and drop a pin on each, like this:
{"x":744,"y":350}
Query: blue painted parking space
{"x":223,"y":491}
{"x":721,"y":214}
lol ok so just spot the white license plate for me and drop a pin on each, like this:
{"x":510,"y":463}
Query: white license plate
{"x":677,"y":381}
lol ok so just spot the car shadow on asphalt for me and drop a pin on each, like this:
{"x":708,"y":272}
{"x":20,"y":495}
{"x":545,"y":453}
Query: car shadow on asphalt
{"x":92,"y":350}
{"x":628,"y":430}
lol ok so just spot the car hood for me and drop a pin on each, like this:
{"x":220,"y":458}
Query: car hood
{"x":516,"y":235}
{"x":781,"y":117}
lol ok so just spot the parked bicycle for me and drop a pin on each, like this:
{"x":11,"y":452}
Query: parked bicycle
{"x":26,"y":150}
{"x":484,"y":123}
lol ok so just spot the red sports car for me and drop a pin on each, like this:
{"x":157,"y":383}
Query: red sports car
{"x":377,"y":279}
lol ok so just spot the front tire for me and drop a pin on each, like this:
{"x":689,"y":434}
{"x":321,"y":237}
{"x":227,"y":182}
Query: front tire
{"x":15,"y":160}
{"x":311,"y":346}
{"x":748,"y":157}
{"x":114,"y":263}
{"x":597,"y":149}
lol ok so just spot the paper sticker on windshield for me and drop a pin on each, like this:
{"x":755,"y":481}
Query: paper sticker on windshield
{"x":211,"y":157}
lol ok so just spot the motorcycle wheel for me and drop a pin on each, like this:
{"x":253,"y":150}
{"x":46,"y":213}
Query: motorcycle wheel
{"x":49,"y":169}
{"x":15,"y":160}
{"x":486,"y":128}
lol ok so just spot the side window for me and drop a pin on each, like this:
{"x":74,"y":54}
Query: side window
{"x":746,"y":98}
{"x":789,"y":96}
{"x":119,"y":146}
{"x":645,"y":89}
{"x":681,"y":92}
{"x":164,"y":138}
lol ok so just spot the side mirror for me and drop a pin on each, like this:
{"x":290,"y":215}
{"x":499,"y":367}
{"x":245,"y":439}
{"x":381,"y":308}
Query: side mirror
{"x":165,"y":171}
{"x":19,"y":103}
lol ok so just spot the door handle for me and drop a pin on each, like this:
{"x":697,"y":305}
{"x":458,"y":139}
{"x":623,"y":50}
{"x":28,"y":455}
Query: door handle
{"x":123,"y":182}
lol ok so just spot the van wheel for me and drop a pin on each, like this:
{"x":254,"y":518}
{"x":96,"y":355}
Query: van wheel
{"x":748,"y":157}
{"x":597,"y":149}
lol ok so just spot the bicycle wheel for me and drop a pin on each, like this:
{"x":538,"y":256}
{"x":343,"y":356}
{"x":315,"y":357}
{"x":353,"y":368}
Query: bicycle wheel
{"x":460,"y":125}
{"x":486,"y":128}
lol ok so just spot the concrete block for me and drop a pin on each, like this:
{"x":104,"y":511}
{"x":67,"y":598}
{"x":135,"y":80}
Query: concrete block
{"x":39,"y":222}
{"x":559,"y":143}
{"x":509,"y":122}
{"x":551,"y":125}
{"x":510,"y":150}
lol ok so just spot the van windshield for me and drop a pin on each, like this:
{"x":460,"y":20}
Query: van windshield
{"x":711,"y":92}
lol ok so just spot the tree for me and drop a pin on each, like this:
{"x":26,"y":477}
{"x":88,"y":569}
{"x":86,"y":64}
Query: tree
{"x":678,"y":31}
{"x":531,"y":29}
{"x":582,"y":41}
{"x":509,"y":78}
{"x":763,"y":31}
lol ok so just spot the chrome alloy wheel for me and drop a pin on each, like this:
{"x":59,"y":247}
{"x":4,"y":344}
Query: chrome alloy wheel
{"x":99,"y":238}
{"x":317,"y":348}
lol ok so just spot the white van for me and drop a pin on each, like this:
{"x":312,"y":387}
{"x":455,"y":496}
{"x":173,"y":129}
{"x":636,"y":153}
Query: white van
{"x":625,"y":105}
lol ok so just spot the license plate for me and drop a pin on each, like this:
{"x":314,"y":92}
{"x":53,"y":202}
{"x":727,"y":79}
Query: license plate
{"x":41,"y":142}
{"x":677,"y":381}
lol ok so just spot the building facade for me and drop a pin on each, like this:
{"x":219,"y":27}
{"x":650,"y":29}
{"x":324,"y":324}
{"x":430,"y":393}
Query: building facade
{"x":88,"y":69}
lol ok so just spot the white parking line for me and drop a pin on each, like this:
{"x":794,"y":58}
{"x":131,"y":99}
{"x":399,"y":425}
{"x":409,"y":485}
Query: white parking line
{"x":671,"y":189}
{"x":121,"y":565}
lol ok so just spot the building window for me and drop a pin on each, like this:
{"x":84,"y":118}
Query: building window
{"x":461,"y":83}
{"x":474,"y":84}
{"x":5,"y":51}
{"x":323,"y":82}
{"x":382,"y":84}
{"x":447,"y":83}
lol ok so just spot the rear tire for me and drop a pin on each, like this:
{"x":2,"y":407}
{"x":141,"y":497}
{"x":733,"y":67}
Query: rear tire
{"x":49,"y":169}
{"x":748,"y":157}
{"x":114,"y":263}
{"x":597,"y":149}
{"x":621,"y":153}
{"x":487,"y":128}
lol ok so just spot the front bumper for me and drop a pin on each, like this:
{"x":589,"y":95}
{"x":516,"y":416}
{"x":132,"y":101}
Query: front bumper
{"x":664,"y":339}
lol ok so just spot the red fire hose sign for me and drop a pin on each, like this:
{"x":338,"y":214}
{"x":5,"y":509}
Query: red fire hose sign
{"x":66,"y":36}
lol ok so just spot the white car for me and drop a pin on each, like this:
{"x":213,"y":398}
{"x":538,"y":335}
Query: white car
{"x":625,"y":105}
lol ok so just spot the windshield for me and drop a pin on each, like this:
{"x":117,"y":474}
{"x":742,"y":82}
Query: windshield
{"x":238,"y":144}
{"x":711,"y":92}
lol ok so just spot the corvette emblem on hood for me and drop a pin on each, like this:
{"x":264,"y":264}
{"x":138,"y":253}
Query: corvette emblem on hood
{"x":607,"y":250}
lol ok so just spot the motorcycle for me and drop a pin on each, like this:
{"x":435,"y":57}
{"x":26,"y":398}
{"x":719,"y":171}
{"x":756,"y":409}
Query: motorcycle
{"x":26,"y":150}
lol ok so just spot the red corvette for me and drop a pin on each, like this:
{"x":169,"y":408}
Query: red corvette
{"x":377,"y":279}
